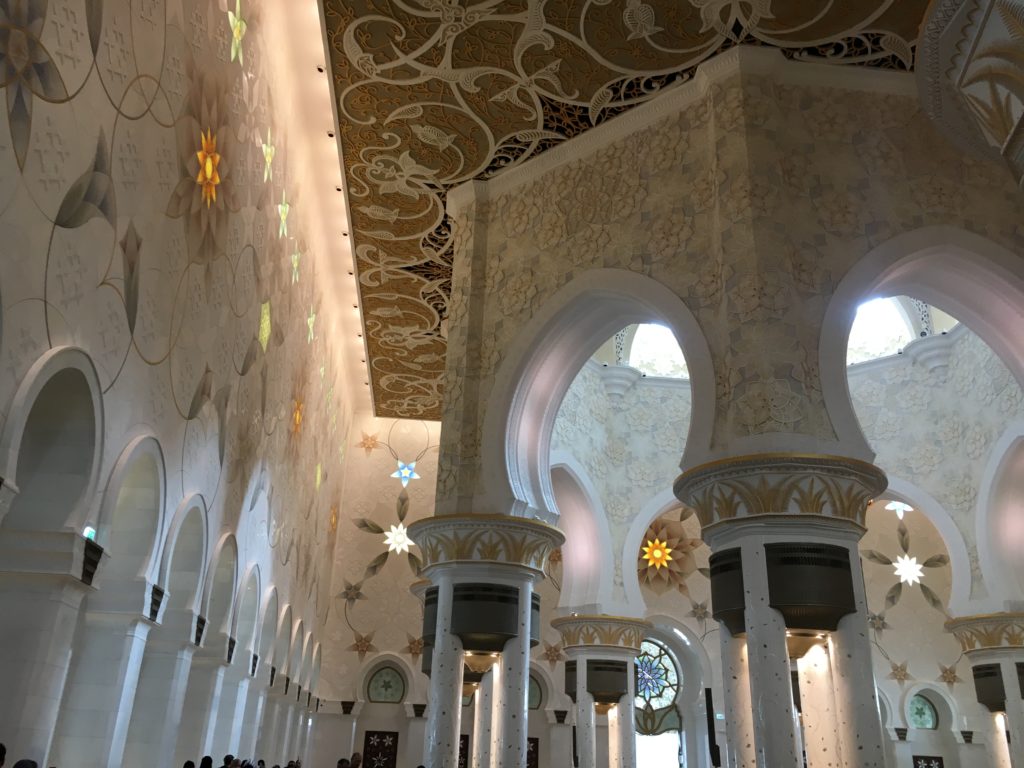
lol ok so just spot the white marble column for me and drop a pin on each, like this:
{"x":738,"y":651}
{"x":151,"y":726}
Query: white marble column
{"x":515,"y":685}
{"x":738,"y":751}
{"x":159,"y":698}
{"x":859,"y":724}
{"x":231,"y":710}
{"x":444,"y":707}
{"x":199,"y":714}
{"x":1014,"y":715}
{"x":818,"y":708}
{"x":482,"y":722}
{"x":92,"y":728}
{"x":40,"y":612}
{"x":613,"y":737}
{"x":497,"y":699}
{"x":255,"y":702}
{"x":267,"y":738}
{"x":625,"y":720}
{"x":586,"y":716}
{"x":415,"y":738}
{"x":771,"y":690}
{"x":560,"y":736}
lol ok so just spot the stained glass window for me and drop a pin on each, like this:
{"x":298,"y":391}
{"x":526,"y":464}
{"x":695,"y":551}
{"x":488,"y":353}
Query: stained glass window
{"x":536,"y":693}
{"x":922,"y":714}
{"x":386,"y":686}
{"x":657,"y":679}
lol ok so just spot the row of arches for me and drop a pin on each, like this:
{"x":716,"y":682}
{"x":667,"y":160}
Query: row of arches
{"x":963,"y":274}
{"x":177,"y":614}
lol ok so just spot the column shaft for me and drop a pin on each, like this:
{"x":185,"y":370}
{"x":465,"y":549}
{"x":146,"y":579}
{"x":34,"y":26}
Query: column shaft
{"x":159,"y":698}
{"x":199,"y":715}
{"x":771,"y":691}
{"x":1014,"y":712}
{"x":739,"y":723}
{"x":35,"y":651}
{"x":515,"y":663}
{"x":444,"y":710}
{"x":586,"y":718}
{"x":482,"y":707}
{"x":859,"y":725}
{"x":626,"y":723}
{"x":92,"y":727}
{"x":230,"y":714}
{"x":497,"y":702}
{"x":818,"y":706}
{"x":255,"y":701}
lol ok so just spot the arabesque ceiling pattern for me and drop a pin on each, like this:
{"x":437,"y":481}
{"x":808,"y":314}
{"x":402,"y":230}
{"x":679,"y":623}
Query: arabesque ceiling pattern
{"x":432,"y":93}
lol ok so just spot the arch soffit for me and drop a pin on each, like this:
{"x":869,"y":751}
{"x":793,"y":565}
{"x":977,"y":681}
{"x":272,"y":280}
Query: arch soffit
{"x":263,"y":640}
{"x":282,"y":638}
{"x":225,"y":544}
{"x":994,"y":570}
{"x":966,"y":275}
{"x":144,"y":445}
{"x":295,"y":650}
{"x":545,"y":357}
{"x":959,"y":560}
{"x":194,"y":502}
{"x":252,"y":573}
{"x":605,"y":549}
{"x":38,"y":375}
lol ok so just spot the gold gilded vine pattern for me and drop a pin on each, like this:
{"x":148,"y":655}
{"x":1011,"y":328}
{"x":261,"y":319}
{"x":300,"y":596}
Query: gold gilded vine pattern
{"x":607,"y":631}
{"x":826,"y":487}
{"x":514,"y":541}
{"x":997,"y":630}
{"x":432,"y":93}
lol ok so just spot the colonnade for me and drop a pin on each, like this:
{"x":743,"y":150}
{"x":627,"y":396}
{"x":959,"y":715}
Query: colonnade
{"x":109,"y":677}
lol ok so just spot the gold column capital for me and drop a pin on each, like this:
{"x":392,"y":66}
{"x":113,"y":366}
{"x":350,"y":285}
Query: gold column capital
{"x":498,"y":539}
{"x":781,"y":484}
{"x":601,"y":631}
{"x":988,"y":631}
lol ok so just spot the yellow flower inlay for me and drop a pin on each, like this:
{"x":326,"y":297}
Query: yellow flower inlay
{"x":297,"y":417}
{"x":657,"y":554}
{"x":208,"y":177}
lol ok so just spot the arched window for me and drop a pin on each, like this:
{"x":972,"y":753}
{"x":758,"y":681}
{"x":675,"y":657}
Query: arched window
{"x":657,"y":686}
{"x":880,"y":329}
{"x":656,"y":352}
{"x":536,"y":693}
{"x":922,"y":713}
{"x":386,"y":686}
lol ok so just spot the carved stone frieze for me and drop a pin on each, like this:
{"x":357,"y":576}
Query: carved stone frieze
{"x":988,"y":631}
{"x":601,"y":631}
{"x":485,"y":539}
{"x":780,"y":484}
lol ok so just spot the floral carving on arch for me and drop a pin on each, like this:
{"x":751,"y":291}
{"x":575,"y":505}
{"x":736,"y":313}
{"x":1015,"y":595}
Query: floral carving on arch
{"x":432,"y":94}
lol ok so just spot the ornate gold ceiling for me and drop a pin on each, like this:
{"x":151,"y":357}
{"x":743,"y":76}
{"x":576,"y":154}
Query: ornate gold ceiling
{"x":432,"y":93}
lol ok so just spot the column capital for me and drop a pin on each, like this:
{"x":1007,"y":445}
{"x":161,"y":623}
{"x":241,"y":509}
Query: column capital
{"x":780,"y":484}
{"x":600,"y":631}
{"x":497,"y":539}
{"x":990,"y":631}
